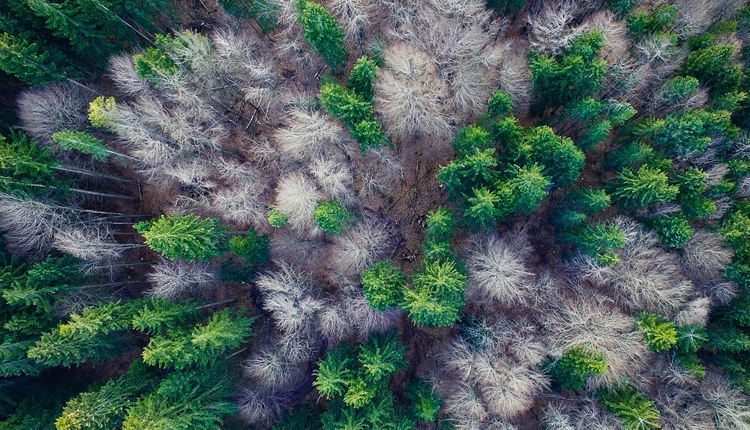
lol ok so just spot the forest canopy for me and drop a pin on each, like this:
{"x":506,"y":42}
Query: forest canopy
{"x":361,"y":214}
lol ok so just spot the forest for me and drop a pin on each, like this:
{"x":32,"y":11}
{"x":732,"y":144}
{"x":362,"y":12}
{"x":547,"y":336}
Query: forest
{"x":375,"y":214}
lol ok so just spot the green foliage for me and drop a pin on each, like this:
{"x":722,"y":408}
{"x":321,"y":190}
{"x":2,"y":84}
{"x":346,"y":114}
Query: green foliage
{"x":424,"y":402}
{"x":362,"y":76}
{"x":101,"y":112}
{"x":487,"y":207}
{"x":185,"y":237}
{"x":155,"y":63}
{"x":440,"y":224}
{"x":711,"y":66}
{"x":529,"y":186}
{"x":690,"y":338}
{"x":380,"y":357}
{"x":690,"y":132}
{"x":621,"y":8}
{"x":43,"y":283}
{"x":437,"y":295}
{"x":200,"y":347}
{"x":631,"y":155}
{"x":673,"y":230}
{"x":598,"y":241}
{"x":579,"y":73}
{"x":24,"y":162}
{"x":646,"y":186}
{"x":462,"y":175}
{"x":332,"y":217}
{"x":572,"y":370}
{"x":299,"y":417}
{"x":561,"y":159}
{"x":500,"y":104}
{"x":594,"y":134}
{"x":659,"y":334}
{"x":102,"y":408}
{"x":82,"y":142}
{"x":506,"y":131}
{"x":589,"y":200}
{"x":88,"y":336}
{"x":661,"y":19}
{"x":470,"y":139}
{"x":361,"y":382}
{"x":633,"y":408}
{"x":265,"y":12}
{"x":335,"y":371}
{"x":32,"y":62}
{"x":507,"y":7}
{"x":356,"y":113}
{"x":65,"y":23}
{"x":679,"y":89}
{"x":159,"y":314}
{"x":185,"y":400}
{"x":736,"y":230}
{"x":276,"y":217}
{"x":383,"y":285}
{"x":323,"y":32}
{"x":253,"y":247}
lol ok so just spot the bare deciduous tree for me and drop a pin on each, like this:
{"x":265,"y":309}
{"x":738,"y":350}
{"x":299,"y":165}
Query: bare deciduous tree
{"x":361,"y":245}
{"x":55,"y":107}
{"x":29,"y":226}
{"x":589,"y":320}
{"x":647,"y":277}
{"x":308,"y":134}
{"x":410,"y":96}
{"x":297,"y":196}
{"x":171,"y":279}
{"x":705,"y":256}
{"x":731,"y":409}
{"x":93,"y":244}
{"x":497,"y":270}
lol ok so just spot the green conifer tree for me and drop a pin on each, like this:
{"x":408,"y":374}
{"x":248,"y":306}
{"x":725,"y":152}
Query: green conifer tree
{"x":187,"y":237}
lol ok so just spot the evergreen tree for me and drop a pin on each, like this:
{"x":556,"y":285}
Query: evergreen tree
{"x":529,"y":187}
{"x":30,"y":62}
{"x":188,"y":237}
{"x":575,"y":366}
{"x":362,"y":76}
{"x":499,"y":104}
{"x":191,"y":399}
{"x":383,"y":285}
{"x":82,"y":142}
{"x":440,"y":224}
{"x":561,"y":159}
{"x":104,"y":408}
{"x":253,"y":247}
{"x":323,"y":32}
{"x":659,"y":334}
{"x":577,"y":74}
{"x":633,"y":408}
{"x":88,"y":336}
{"x":646,"y":186}
{"x":470,"y":139}
{"x":659,"y":20}
{"x":589,"y":200}
{"x":463,"y":175}
{"x":332,"y":217}
{"x":437,"y":295}
{"x":673,"y":230}
{"x":277,"y":218}
{"x":599,"y":241}
{"x":201,"y":346}
{"x":486,"y":207}
{"x":424,"y":402}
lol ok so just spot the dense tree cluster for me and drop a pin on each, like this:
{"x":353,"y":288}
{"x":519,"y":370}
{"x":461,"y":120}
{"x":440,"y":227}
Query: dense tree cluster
{"x":360,"y":214}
